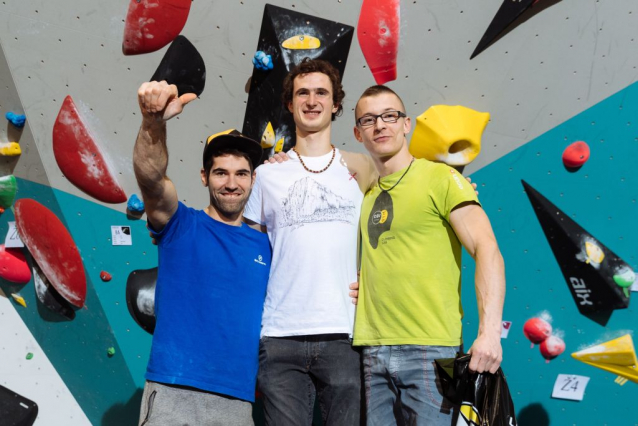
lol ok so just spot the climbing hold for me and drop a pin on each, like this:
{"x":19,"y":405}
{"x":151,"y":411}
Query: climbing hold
{"x":135,"y":204}
{"x":10,"y":149}
{"x":53,"y":249}
{"x":110,"y":351}
{"x":8,"y":189}
{"x":262,"y":62}
{"x":19,"y":299}
{"x":576,"y":154}
{"x":587,"y":265}
{"x":378,"y":34}
{"x":617,"y":356}
{"x":506,"y":15}
{"x":624,"y":276}
{"x":80,"y":158}
{"x":140,"y":297}
{"x":183,"y":66}
{"x":151,"y":25}
{"x":49,"y":297}
{"x":279,"y":146}
{"x":14,"y":266}
{"x":552,"y":347}
{"x":29,"y":356}
{"x":449,"y":134}
{"x":537,"y":330}
{"x":301,"y":42}
{"x":268,"y":137}
{"x":105,"y":276}
{"x":16,"y":119}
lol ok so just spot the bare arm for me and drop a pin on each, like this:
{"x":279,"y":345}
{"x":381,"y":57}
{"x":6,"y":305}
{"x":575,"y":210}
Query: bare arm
{"x":471,"y":225}
{"x":256,"y":226}
{"x":158,"y":103}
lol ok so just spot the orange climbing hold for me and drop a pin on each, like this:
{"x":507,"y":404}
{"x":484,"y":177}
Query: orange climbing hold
{"x":576,"y":154}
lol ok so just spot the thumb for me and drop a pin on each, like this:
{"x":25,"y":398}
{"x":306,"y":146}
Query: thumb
{"x":187,"y":97}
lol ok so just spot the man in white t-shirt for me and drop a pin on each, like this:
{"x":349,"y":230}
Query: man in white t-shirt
{"x":310,"y":207}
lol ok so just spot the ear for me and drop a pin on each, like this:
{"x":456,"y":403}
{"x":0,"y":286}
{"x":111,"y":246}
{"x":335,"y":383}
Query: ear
{"x":290,"y":107}
{"x":335,"y":108}
{"x":357,"y":133}
{"x":252,"y":180}
{"x":204,"y":177}
{"x":407,"y":125}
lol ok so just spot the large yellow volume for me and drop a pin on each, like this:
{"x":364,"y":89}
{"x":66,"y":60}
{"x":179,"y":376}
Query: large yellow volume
{"x":449,"y":134}
{"x":617,"y":356}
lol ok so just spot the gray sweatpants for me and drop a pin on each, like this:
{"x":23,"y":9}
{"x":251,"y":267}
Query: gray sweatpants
{"x":172,"y":406}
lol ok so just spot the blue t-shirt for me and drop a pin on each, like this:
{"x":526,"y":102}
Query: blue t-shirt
{"x":209,"y":299}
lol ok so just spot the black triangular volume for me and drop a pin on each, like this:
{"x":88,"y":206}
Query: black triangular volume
{"x":140,"y":297}
{"x":589,"y":267}
{"x":507,"y":13}
{"x":264,"y":99}
{"x":183,"y":66}
{"x":16,"y":410}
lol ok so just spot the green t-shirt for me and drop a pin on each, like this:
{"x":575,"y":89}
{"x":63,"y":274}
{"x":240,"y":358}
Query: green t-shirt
{"x":410,"y":283}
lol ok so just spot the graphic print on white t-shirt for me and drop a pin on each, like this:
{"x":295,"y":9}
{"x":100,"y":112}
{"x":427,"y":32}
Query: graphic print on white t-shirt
{"x":308,"y":201}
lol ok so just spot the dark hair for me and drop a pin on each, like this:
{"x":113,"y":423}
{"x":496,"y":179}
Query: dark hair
{"x":375,"y":91}
{"x":307,"y":66}
{"x":222,"y":152}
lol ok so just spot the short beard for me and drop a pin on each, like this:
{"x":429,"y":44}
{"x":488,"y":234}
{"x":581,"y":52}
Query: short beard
{"x":229,"y":209}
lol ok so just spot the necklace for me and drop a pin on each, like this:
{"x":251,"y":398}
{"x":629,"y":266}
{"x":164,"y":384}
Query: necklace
{"x":404,"y":173}
{"x":316,"y":171}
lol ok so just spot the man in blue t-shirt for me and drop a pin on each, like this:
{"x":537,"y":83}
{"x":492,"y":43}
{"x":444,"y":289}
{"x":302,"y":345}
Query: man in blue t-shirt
{"x":211,"y":284}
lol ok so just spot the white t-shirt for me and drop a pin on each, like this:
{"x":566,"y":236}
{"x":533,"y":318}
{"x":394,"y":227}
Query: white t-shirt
{"x":312,"y":222}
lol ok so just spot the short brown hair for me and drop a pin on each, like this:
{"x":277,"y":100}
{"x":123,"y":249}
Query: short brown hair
{"x":223,"y":152}
{"x":307,"y":66}
{"x":375,"y":91}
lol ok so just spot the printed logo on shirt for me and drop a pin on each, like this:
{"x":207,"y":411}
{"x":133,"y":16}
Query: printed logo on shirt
{"x":456,"y":179}
{"x":380,"y":216}
{"x":260,"y":260}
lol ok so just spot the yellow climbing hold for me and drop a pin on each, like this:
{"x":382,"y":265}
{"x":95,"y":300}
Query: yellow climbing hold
{"x":279,"y":146}
{"x":617,"y":356}
{"x":19,"y":299}
{"x":301,"y":41}
{"x":10,"y":149}
{"x":449,"y":134}
{"x":268,"y":137}
{"x":594,"y":253}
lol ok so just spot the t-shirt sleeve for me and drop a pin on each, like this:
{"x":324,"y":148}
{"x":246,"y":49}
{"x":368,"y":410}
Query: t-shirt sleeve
{"x":254,"y":209}
{"x":175,"y":227}
{"x":452,"y":190}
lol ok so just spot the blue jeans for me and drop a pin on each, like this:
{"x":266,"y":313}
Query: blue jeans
{"x":402,"y":386}
{"x":292,"y":370}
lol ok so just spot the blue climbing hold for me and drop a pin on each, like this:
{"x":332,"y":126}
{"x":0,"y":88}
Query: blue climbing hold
{"x":135,"y":204}
{"x":262,"y":62}
{"x":16,"y":119}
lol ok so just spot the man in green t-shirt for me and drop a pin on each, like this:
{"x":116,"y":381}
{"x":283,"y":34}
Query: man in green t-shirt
{"x":413,"y":223}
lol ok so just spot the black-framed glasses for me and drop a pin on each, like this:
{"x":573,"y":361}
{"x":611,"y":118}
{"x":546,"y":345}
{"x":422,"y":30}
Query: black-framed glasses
{"x":387,"y":117}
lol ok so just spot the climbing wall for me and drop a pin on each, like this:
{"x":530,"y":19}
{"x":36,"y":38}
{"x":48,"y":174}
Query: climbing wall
{"x":549,"y":74}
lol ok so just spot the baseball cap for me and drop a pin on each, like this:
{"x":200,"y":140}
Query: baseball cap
{"x":233,"y":139}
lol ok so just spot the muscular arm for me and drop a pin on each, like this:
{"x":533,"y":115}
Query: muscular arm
{"x":471,"y":225}
{"x":158,"y":103}
{"x":361,"y":168}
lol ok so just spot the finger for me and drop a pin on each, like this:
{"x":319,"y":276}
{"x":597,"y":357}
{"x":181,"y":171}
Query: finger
{"x":354,"y":286}
{"x":187,"y":98}
{"x":469,"y":179}
{"x":474,"y":185}
{"x":355,"y":301}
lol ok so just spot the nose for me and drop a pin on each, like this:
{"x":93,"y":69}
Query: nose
{"x":231,"y":183}
{"x":379,"y":123}
{"x":311,"y":99}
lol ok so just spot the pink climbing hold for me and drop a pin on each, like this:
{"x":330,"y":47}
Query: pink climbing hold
{"x":378,"y":33}
{"x":576,"y":154}
{"x":537,"y":330}
{"x":105,"y":276}
{"x":13,"y":265}
{"x":552,"y":347}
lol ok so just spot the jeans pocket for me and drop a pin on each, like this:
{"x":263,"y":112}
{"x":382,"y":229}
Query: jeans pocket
{"x":149,"y":407}
{"x":433,"y":386}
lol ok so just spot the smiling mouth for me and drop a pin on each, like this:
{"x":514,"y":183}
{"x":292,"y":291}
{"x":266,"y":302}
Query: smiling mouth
{"x":312,"y":113}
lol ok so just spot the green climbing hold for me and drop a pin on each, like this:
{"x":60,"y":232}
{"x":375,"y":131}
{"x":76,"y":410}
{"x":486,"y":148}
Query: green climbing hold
{"x":624,"y":277}
{"x":29,"y":355}
{"x":110,"y":351}
{"x":8,"y":189}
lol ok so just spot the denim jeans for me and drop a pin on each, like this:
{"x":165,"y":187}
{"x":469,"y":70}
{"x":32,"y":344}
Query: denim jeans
{"x":292,"y":370}
{"x":402,"y":386}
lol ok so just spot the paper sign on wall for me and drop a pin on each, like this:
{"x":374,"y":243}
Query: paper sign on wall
{"x":12,"y":239}
{"x":569,"y":386}
{"x":505,"y":329}
{"x":121,"y":235}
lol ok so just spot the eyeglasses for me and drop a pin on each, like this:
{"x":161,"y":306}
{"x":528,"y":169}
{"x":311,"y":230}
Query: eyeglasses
{"x":387,"y":117}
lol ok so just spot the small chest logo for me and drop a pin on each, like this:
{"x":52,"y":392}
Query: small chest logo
{"x":380,"y":216}
{"x":260,"y":260}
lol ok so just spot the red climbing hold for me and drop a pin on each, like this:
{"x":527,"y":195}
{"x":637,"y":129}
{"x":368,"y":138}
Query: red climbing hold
{"x":378,"y":34}
{"x":552,"y":347}
{"x":13,"y":265}
{"x":105,"y":276}
{"x":80,"y":159}
{"x":152,"y":24}
{"x":53,"y":249}
{"x":537,"y":330}
{"x":576,"y":154}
